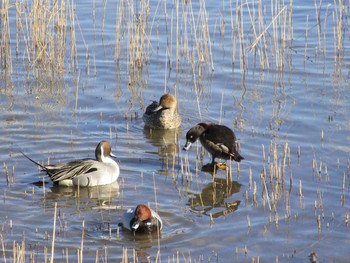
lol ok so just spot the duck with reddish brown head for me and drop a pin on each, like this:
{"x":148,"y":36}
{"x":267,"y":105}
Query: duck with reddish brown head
{"x":142,"y":219}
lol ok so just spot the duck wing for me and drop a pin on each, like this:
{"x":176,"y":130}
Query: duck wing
{"x":69,"y":170}
{"x":221,"y":141}
{"x":221,"y":136}
{"x":151,"y":108}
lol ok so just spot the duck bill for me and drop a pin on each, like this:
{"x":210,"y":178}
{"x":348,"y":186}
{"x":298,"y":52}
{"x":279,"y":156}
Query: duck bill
{"x":135,"y":225}
{"x":157,"y":109}
{"x":112,"y":155}
{"x":187,"y":146}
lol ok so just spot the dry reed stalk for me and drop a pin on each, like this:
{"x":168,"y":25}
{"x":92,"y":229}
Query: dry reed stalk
{"x":242,"y":57}
{"x":82,"y":242}
{"x":125,"y":255}
{"x":326,"y":173}
{"x":13,"y":176}
{"x":177,"y":46}
{"x":7,"y":174}
{"x":96,"y":256}
{"x":5,"y":42}
{"x":138,"y":39}
{"x":206,"y":36}
{"x":250,"y":178}
{"x":318,"y":21}
{"x":233,"y":34}
{"x":19,"y":25}
{"x":264,"y":51}
{"x":3,"y":247}
{"x":230,"y":171}
{"x":287,"y":202}
{"x":277,"y":42}
{"x":343,"y":183}
{"x":211,"y":219}
{"x":276,"y":218}
{"x":14,"y":251}
{"x":53,"y":233}
{"x":263,"y":152}
{"x":119,"y":27}
{"x":339,"y":33}
{"x":104,"y":2}
{"x":255,"y":199}
{"x":73,"y":45}
{"x":257,"y":40}
{"x":324,"y":38}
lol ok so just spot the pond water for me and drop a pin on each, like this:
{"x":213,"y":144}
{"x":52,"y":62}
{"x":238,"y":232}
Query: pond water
{"x":286,"y":96}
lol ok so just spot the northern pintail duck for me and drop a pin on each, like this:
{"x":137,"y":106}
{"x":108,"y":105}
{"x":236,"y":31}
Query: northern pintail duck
{"x":218,"y":140}
{"x":85,"y":172}
{"x":142,"y":219}
{"x":162,"y":115}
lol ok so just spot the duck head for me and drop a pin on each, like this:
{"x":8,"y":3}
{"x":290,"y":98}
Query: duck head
{"x":103,"y":152}
{"x":193,"y":134}
{"x":167,"y":101}
{"x":142,"y":214}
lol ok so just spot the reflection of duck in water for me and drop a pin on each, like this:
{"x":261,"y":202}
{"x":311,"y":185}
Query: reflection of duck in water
{"x":213,"y":196}
{"x":162,"y":115}
{"x":166,"y":141}
{"x":101,"y":195}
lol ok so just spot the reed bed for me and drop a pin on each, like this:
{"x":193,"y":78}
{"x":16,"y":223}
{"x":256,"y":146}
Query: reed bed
{"x":45,"y":36}
{"x":42,"y":30}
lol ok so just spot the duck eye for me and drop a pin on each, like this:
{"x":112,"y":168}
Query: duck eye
{"x":191,"y":137}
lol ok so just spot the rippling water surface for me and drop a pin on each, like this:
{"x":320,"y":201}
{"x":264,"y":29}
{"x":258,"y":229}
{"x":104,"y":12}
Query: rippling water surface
{"x":287,"y":199}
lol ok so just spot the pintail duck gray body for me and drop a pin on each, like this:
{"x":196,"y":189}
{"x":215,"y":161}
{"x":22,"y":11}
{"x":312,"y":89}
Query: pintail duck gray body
{"x":142,"y":219}
{"x":85,"y":172}
{"x":218,"y":140}
{"x":163,"y":115}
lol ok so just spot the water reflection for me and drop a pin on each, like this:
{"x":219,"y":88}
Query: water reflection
{"x":95,"y":197}
{"x":142,"y":244}
{"x":166,"y":142}
{"x":212,"y":199}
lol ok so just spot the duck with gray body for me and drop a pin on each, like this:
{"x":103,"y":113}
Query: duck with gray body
{"x":85,"y":172}
{"x":218,"y":140}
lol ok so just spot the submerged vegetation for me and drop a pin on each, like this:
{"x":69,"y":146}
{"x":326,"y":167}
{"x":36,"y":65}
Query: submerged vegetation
{"x":46,"y":42}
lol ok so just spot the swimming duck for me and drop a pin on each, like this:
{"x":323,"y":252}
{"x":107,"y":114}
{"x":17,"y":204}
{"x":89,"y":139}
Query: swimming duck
{"x":85,"y":172}
{"x":162,"y":115}
{"x":142,"y":219}
{"x":218,"y":140}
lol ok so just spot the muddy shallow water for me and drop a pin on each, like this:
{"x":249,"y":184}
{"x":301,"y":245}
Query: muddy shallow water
{"x":292,"y":126}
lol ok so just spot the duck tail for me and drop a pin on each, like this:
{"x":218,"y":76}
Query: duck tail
{"x":30,"y":159}
{"x":237,"y":157}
